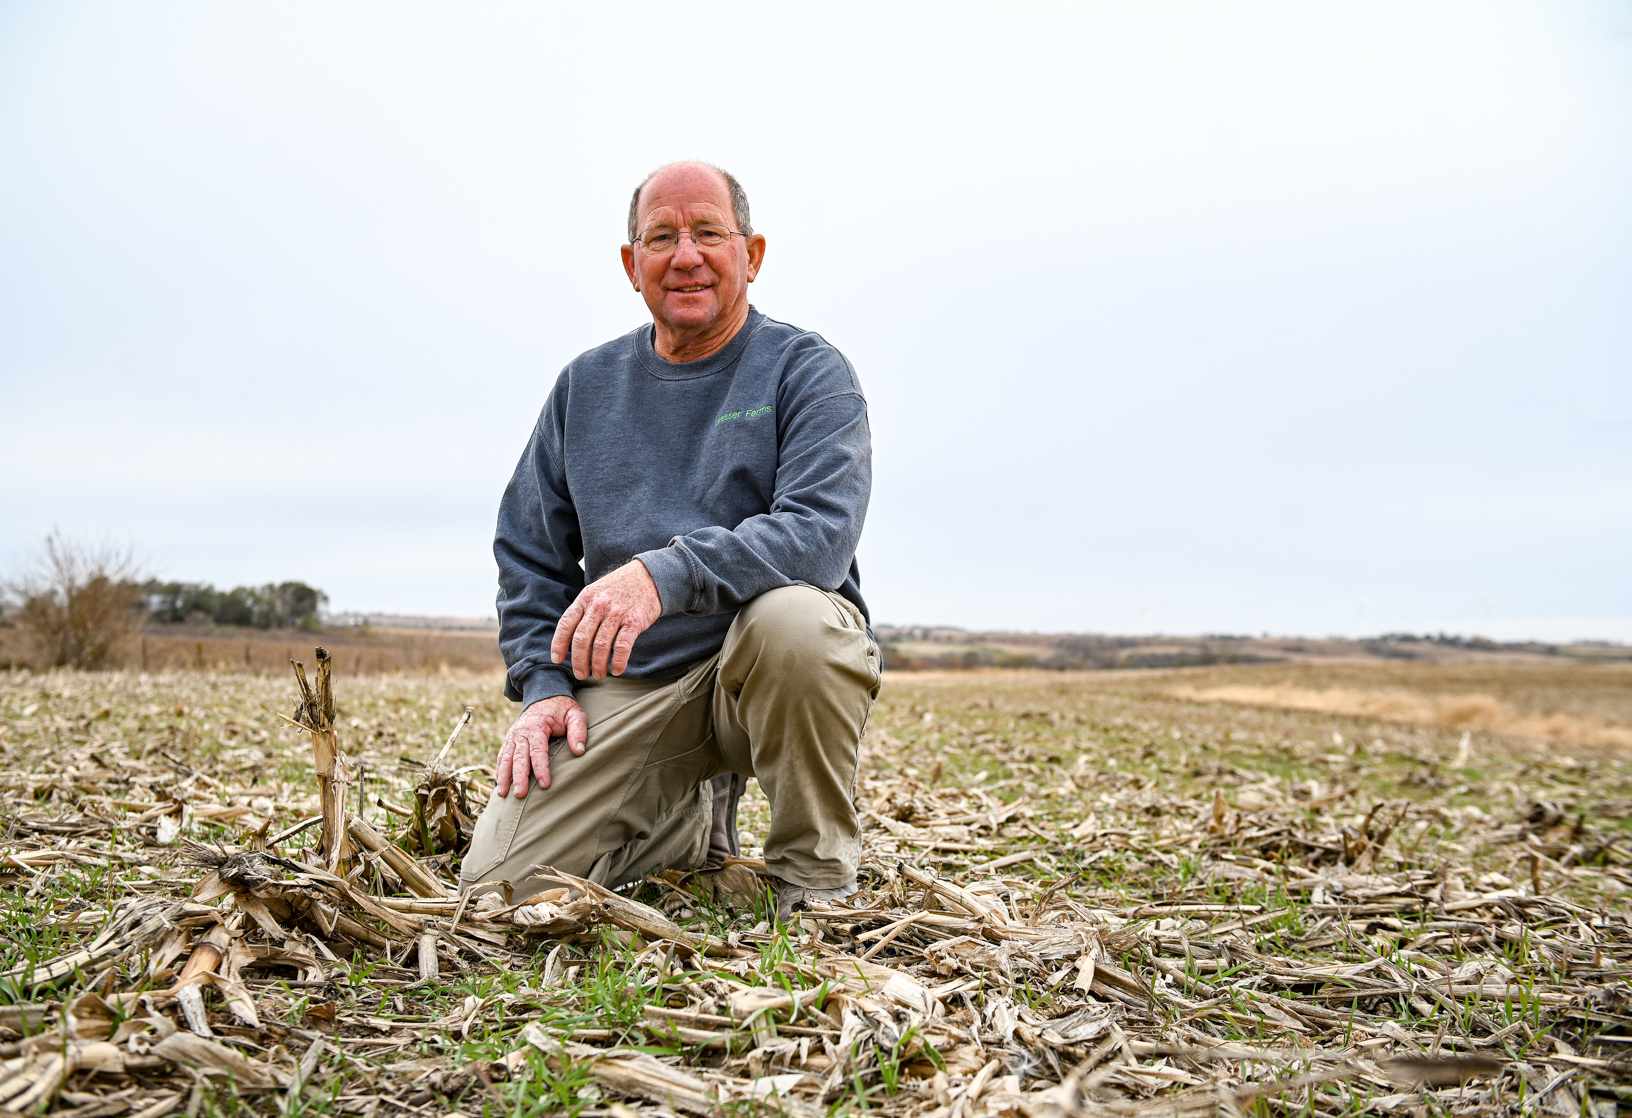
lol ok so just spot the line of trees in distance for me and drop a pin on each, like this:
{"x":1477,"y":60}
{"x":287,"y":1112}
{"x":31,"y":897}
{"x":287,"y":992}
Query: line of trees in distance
{"x":276,"y":605}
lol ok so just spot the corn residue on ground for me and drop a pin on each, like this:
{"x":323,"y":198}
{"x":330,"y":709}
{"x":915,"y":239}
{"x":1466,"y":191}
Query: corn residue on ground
{"x":1084,"y":893}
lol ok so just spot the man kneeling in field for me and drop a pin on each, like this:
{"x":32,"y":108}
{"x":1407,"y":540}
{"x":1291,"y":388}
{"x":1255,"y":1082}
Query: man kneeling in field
{"x":708,"y":476}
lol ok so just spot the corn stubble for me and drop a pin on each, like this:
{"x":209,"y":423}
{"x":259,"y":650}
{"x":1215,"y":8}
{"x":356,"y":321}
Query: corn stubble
{"x":1081,"y":897}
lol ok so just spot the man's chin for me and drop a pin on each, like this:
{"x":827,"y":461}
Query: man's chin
{"x":690,"y":318}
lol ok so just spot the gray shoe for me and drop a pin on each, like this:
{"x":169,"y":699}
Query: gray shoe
{"x":722,"y":832}
{"x":791,"y":898}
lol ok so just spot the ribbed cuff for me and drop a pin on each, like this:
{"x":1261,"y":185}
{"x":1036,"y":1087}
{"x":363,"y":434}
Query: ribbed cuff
{"x":671,"y":572}
{"x":545,"y":682}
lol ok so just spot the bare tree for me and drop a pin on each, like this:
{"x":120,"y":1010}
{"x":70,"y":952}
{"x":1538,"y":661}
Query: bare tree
{"x":77,"y":607}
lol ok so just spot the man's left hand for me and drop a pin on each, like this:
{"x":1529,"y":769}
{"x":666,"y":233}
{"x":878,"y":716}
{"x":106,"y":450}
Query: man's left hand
{"x":603,"y":621}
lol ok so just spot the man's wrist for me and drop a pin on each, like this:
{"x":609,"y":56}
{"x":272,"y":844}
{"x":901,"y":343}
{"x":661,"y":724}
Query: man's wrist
{"x":671,"y":574}
{"x":544,"y":683}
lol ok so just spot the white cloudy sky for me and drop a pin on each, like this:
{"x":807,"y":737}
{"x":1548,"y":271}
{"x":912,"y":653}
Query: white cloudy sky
{"x":1173,"y":317}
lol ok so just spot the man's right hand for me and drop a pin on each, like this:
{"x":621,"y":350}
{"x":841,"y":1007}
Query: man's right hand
{"x":526,"y":750}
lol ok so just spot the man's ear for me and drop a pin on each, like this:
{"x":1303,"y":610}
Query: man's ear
{"x":756,"y":255}
{"x":629,"y":266}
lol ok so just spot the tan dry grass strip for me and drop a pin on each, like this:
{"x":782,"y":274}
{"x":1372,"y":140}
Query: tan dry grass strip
{"x":1453,"y":711}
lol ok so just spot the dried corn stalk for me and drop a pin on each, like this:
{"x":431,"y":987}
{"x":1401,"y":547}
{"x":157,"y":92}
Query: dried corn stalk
{"x":443,"y":821}
{"x":315,"y":715}
{"x":276,"y":892}
{"x":419,"y":880}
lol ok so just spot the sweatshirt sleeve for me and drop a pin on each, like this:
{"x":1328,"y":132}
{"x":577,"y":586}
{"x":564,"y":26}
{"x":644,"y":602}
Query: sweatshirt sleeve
{"x":538,"y":546}
{"x":824,"y":479}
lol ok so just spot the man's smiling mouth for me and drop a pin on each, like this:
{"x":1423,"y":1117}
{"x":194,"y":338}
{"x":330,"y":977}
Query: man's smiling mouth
{"x":692,"y":287}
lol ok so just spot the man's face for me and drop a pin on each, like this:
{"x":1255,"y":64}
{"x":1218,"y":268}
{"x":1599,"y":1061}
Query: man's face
{"x":692,"y":289}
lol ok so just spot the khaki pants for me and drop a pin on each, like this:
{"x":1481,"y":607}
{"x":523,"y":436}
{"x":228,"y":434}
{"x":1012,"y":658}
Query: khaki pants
{"x":785,"y":700}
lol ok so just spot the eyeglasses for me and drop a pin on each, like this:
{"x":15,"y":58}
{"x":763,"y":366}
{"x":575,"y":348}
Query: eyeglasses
{"x":660,"y":240}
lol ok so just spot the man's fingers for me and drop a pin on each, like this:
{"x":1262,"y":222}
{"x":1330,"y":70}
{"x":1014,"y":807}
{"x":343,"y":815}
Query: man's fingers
{"x":501,"y":768}
{"x":605,"y":636}
{"x":583,"y":637}
{"x":577,"y":730}
{"x":564,"y":630}
{"x":519,"y":776}
{"x":624,"y":645}
{"x":541,"y":759}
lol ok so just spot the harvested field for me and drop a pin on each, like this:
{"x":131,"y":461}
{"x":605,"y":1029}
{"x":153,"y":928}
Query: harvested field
{"x":1084,"y":895}
{"x":357,"y":650}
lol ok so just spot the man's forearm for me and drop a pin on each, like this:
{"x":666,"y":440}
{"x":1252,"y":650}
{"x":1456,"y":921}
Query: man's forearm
{"x":808,"y":536}
{"x":536,"y":544}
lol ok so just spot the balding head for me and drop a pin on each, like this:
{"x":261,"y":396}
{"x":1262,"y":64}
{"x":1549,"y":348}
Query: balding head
{"x":734,"y":194}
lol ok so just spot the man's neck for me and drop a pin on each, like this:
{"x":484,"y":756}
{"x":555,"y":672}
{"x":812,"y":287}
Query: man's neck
{"x":676,"y":346}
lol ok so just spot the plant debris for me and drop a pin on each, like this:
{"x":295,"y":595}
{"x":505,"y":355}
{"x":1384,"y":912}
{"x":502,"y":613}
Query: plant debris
{"x":1114,"y":915}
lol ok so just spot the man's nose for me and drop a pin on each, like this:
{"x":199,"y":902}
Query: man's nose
{"x":686,"y":253}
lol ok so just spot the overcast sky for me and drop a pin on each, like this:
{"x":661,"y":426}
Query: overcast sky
{"x":1189,"y":318}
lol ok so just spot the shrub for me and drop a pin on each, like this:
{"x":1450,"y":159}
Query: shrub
{"x":78,"y":608}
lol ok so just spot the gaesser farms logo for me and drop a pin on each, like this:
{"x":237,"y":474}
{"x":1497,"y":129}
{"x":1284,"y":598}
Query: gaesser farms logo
{"x":742,"y":414}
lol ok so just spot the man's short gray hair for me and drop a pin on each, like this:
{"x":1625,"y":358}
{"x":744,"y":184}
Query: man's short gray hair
{"x":739,"y":199}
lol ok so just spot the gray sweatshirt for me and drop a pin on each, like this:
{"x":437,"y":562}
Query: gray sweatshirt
{"x":727,"y":477}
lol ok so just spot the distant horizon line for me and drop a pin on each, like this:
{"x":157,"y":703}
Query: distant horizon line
{"x":362,"y":617}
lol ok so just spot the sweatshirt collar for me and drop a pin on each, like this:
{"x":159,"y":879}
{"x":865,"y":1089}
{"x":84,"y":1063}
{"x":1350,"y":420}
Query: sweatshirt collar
{"x":646,"y":348}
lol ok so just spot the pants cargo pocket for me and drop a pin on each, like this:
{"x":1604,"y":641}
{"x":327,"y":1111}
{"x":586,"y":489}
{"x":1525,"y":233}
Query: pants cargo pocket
{"x":497,"y":827}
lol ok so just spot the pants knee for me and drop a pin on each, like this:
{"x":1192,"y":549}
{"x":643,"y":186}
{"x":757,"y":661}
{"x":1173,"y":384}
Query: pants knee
{"x":795,"y":624}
